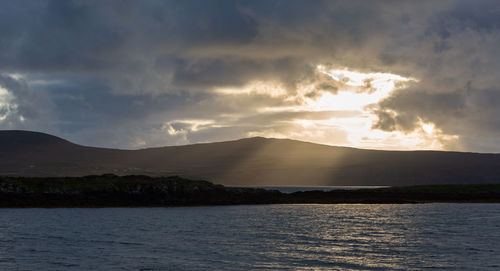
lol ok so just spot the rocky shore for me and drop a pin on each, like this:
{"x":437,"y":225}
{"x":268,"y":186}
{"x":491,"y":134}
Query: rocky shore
{"x":113,"y":191}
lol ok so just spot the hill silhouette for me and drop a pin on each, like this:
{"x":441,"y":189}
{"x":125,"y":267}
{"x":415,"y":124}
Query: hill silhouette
{"x":251,"y":161}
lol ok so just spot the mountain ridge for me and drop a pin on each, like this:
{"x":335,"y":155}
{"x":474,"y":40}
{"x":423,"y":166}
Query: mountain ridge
{"x":248,"y":161}
{"x":2,"y":132}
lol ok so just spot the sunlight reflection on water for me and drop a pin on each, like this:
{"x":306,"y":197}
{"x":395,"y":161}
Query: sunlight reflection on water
{"x":373,"y":237}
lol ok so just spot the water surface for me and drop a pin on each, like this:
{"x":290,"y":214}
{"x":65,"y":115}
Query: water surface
{"x":291,"y":189}
{"x":274,"y":237}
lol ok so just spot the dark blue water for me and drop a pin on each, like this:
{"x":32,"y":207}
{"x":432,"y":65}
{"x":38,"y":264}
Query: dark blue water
{"x":291,"y":189}
{"x":267,"y":237}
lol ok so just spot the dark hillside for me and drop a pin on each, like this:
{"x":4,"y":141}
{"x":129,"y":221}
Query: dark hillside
{"x":251,"y":161}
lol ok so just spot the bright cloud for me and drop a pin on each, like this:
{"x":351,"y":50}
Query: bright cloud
{"x":272,"y":89}
{"x":356,"y":93}
{"x":391,"y":74}
{"x":6,"y":104}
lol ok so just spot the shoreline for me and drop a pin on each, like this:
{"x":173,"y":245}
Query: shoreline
{"x":100,"y":191}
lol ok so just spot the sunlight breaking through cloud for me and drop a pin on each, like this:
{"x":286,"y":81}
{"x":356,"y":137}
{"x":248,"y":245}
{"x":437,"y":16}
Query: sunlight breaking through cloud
{"x":272,"y":89}
{"x":6,"y":106}
{"x":355,"y":72}
{"x":356,"y":92}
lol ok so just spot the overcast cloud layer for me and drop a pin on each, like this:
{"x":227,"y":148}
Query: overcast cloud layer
{"x":134,"y":74}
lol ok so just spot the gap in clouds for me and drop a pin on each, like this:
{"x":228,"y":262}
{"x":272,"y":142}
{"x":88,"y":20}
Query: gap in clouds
{"x":134,"y":74}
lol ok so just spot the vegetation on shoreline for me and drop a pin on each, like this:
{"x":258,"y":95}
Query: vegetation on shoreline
{"x":136,"y":190}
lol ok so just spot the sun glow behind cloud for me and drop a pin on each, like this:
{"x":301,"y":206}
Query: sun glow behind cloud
{"x":355,"y":92}
{"x":5,"y":104}
{"x":256,"y":87}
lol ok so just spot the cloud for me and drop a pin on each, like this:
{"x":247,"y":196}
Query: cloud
{"x":114,"y":73}
{"x":21,"y":107}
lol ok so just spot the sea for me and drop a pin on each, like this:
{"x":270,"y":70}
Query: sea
{"x":288,"y":189}
{"x":433,"y":236}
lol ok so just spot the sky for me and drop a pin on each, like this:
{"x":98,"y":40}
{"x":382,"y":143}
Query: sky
{"x":401,"y":75}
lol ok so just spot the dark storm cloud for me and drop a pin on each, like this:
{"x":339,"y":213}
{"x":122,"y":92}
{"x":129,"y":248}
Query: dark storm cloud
{"x":96,"y":70}
{"x":140,"y":38}
{"x":96,"y":35}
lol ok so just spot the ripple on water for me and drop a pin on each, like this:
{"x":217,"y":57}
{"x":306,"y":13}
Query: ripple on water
{"x":355,"y":237}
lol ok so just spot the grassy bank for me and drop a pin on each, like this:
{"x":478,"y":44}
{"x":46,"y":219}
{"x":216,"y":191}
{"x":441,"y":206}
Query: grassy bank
{"x":110,"y":190}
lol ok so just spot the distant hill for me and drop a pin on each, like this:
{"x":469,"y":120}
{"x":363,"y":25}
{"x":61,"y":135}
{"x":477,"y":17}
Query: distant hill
{"x":251,"y":161}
